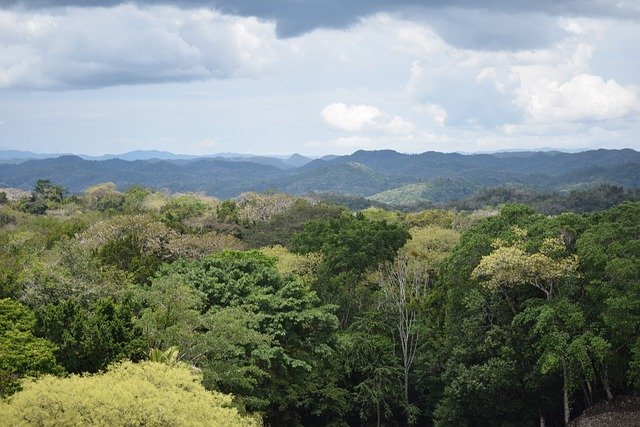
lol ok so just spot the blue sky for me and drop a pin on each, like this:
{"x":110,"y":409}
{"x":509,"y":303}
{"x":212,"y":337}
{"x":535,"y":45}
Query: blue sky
{"x":318,"y":77}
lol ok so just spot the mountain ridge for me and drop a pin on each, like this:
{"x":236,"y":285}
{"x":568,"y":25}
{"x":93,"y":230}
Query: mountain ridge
{"x":362,"y":173}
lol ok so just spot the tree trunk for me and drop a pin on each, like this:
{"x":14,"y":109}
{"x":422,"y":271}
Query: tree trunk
{"x":565,"y":393}
{"x":378,"y":414}
{"x":605,"y":384}
{"x":406,"y":384}
{"x":542,"y":421}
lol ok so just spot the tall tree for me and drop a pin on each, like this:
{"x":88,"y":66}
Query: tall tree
{"x":511,"y":265}
{"x":404,"y":286}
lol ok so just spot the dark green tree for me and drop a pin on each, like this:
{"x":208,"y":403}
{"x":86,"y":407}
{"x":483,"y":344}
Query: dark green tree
{"x":351,"y":246}
{"x":21,"y":353}
{"x":263,"y":337}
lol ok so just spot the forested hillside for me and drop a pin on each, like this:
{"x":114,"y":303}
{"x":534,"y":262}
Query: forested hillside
{"x":384,"y":176}
{"x":283,"y":310}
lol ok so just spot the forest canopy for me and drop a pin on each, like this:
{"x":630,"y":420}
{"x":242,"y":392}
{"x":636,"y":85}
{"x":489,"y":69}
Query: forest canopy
{"x":282,"y":310}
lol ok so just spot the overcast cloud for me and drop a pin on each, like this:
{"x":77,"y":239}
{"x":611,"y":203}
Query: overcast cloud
{"x":318,"y":76}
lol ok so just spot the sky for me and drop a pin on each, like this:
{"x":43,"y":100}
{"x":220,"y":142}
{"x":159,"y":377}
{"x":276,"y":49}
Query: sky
{"x":318,"y":77}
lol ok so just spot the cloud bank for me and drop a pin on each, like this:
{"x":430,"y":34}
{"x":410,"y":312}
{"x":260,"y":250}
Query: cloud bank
{"x":409,"y":75}
{"x":126,"y":44}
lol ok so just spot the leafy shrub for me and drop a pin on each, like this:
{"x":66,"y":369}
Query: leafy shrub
{"x":149,"y":394}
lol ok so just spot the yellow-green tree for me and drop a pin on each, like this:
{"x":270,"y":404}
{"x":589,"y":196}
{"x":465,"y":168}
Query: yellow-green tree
{"x":147,"y":393}
{"x":510,"y":265}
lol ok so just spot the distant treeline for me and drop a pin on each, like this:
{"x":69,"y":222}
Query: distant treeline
{"x":593,"y":199}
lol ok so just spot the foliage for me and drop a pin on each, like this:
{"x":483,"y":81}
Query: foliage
{"x":509,"y":264}
{"x":168,"y":356}
{"x":21,"y":353}
{"x":134,"y":243}
{"x":351,"y":246}
{"x":147,"y":393}
{"x":103,"y":197}
{"x":261,"y":207}
{"x":430,"y":245}
{"x":291,"y":264}
{"x":46,"y":190}
{"x":91,"y":335}
{"x":432,"y":217}
{"x":441,"y":313}
{"x":279,"y":228}
{"x":253,"y":332}
{"x":181,"y":208}
{"x":197,"y":246}
{"x":351,"y":242}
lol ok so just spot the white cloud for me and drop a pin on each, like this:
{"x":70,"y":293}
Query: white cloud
{"x":435,"y":112}
{"x":584,"y":97}
{"x":350,"y":118}
{"x":127,"y":44}
{"x":353,"y":118}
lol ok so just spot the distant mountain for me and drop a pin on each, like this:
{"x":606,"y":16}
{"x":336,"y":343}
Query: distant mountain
{"x":141,"y":155}
{"x":216,"y":177}
{"x":296,"y":160}
{"x":385,"y":176}
{"x":282,"y":162}
{"x":349,"y":178}
{"x":18,"y":156}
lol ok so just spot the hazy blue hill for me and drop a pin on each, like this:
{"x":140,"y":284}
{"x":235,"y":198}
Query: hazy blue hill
{"x":430,"y":176}
{"x":263,"y":160}
{"x":624,"y":175}
{"x":19,"y":156}
{"x":216,"y":177}
{"x":436,"y":191}
{"x":483,"y":167}
{"x":296,"y":160}
{"x":141,"y":155}
{"x":349,"y":178}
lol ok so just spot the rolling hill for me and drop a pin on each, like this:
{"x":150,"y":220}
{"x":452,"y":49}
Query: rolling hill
{"x":385,"y":176}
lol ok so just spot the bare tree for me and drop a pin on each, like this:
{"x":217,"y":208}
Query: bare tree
{"x":404,"y":285}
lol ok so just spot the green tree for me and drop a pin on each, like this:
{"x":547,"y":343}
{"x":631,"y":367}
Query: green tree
{"x":475,"y":351}
{"x":372,"y":367}
{"x":182,"y":208}
{"x":254,"y":333}
{"x":351,"y":247}
{"x":511,"y":265}
{"x":21,"y":353}
{"x":137,"y":244}
{"x":103,"y":197}
{"x":44,"y":189}
{"x":280,"y":227}
{"x":91,"y":335}
{"x":609,"y":251}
